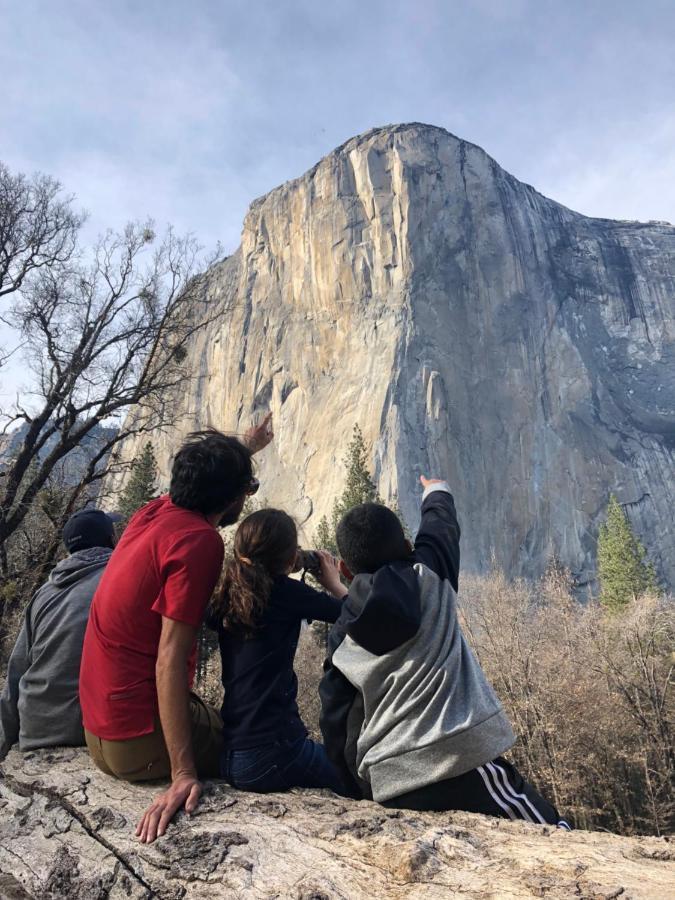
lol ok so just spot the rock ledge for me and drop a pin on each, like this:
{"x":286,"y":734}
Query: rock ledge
{"x":68,"y":831}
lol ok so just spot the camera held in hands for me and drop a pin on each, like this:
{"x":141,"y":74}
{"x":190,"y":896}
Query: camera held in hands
{"x":308,"y":561}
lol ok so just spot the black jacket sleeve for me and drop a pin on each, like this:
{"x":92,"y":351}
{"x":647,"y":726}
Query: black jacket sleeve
{"x":338,"y":696}
{"x":307,"y":603}
{"x":437,"y":541}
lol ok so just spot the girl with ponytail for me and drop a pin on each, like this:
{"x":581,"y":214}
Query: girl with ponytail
{"x":258,"y":615}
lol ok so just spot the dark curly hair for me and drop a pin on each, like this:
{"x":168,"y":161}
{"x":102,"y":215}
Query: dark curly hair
{"x":210,"y":471}
{"x":265,"y":545}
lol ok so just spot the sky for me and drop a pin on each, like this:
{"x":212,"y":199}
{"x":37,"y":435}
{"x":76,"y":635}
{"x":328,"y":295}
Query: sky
{"x":187,"y":110}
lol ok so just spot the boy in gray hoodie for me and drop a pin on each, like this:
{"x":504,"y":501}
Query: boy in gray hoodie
{"x":407,"y":713}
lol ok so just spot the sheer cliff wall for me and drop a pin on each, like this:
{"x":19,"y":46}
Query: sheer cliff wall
{"x":472,"y":328}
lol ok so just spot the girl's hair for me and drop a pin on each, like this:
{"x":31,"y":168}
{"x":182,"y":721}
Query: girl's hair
{"x":264,"y":546}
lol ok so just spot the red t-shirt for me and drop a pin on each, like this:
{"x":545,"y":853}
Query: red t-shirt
{"x":166,"y":564}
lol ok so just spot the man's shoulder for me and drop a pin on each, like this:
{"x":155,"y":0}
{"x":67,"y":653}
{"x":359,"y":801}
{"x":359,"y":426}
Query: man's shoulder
{"x":161,"y":521}
{"x":162,"y":509}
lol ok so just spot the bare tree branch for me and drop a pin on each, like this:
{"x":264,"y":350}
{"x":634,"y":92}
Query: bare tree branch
{"x":102,"y":337}
{"x":38,"y":227}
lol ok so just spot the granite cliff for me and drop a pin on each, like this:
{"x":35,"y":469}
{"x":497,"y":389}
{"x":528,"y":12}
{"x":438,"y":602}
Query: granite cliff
{"x":471,"y":326}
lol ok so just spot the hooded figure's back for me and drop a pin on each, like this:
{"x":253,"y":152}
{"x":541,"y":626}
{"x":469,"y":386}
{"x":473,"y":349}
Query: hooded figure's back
{"x":40,"y":705}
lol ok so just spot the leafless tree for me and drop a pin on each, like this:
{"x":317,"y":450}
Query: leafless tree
{"x":103,"y":334}
{"x":38,"y":227}
{"x":589,"y":693}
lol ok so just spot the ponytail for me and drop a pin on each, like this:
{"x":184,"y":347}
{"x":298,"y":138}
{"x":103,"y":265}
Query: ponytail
{"x":264,"y":546}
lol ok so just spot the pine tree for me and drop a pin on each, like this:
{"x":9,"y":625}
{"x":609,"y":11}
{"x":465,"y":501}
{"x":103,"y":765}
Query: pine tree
{"x":141,"y":486}
{"x":623,"y":569}
{"x":359,"y":488}
{"x":325,"y":536}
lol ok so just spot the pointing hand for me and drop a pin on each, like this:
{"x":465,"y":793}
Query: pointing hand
{"x":427,"y":481}
{"x":259,"y":436}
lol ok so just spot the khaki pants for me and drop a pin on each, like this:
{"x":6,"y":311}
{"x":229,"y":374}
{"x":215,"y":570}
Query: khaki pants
{"x":146,"y":758}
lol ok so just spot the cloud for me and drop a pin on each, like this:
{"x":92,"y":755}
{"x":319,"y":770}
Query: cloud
{"x":186,"y":111}
{"x":622,"y":179}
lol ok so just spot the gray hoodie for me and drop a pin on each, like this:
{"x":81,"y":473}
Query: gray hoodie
{"x":39,"y":705}
{"x":405,"y":702}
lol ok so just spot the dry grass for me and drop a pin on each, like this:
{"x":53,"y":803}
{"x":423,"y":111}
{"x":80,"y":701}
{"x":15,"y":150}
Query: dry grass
{"x":308,"y":667}
{"x":589,"y":694}
{"x":11,"y":625}
{"x":209,"y":685}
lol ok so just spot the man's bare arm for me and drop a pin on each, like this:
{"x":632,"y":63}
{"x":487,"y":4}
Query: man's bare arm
{"x":175,"y":645}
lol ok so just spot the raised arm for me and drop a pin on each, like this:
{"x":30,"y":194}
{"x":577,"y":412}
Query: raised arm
{"x":437,"y":541}
{"x":259,"y":436}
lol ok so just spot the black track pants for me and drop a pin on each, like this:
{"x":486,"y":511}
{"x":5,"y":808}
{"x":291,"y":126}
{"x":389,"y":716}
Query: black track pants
{"x":495,"y":789}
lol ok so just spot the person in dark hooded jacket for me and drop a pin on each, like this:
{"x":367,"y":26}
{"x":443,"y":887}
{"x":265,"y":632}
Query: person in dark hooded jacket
{"x":39,"y":704}
{"x":408,"y":716}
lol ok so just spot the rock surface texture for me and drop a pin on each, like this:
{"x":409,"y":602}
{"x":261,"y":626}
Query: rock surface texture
{"x":472,"y":328}
{"x":66,"y":830}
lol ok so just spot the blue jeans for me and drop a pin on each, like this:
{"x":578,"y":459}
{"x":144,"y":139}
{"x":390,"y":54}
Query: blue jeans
{"x":280,"y":766}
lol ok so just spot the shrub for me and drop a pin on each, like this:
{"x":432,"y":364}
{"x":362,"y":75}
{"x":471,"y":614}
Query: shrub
{"x":589,"y":694}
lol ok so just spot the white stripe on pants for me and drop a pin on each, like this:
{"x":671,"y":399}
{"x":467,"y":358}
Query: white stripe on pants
{"x":486,"y":779}
{"x":508,"y":789}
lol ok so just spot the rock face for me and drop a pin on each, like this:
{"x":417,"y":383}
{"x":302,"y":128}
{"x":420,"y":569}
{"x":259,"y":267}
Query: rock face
{"x":66,"y":830}
{"x":74,"y":464}
{"x":472,"y":328}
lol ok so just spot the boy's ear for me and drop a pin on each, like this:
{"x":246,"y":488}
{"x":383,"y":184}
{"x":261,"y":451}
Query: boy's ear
{"x":344,"y":571}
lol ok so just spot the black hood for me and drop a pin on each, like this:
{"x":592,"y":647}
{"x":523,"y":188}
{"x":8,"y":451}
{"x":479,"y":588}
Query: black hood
{"x":383,"y":610}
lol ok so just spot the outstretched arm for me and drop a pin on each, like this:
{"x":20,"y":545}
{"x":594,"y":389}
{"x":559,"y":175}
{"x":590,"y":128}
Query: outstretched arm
{"x":259,"y":436}
{"x":437,"y":541}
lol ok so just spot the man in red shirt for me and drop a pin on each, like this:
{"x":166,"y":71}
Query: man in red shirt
{"x":141,"y":721}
